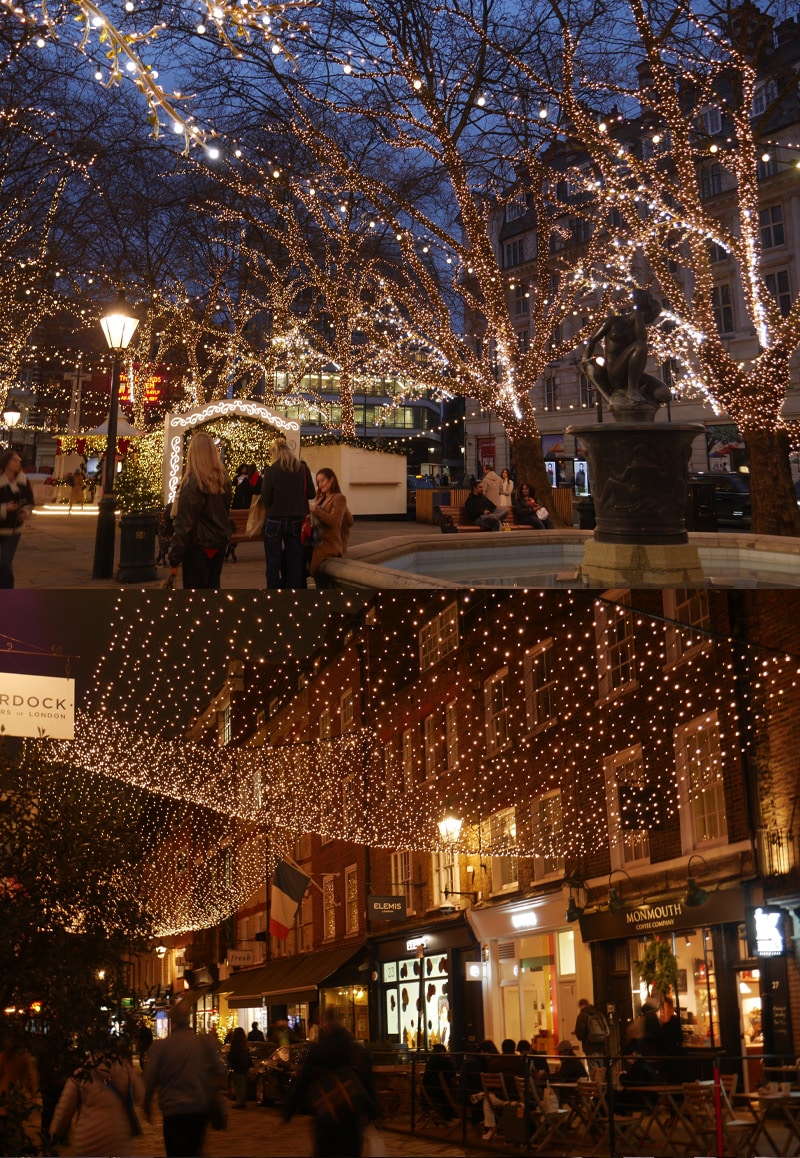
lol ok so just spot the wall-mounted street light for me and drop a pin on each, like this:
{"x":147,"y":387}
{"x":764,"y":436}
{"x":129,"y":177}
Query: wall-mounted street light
{"x":450,"y":825}
{"x":160,"y":951}
{"x":695,"y":896}
{"x":615,"y":902}
{"x":118,"y":326}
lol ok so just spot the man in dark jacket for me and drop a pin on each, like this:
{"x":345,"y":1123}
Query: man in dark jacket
{"x":482,"y":512}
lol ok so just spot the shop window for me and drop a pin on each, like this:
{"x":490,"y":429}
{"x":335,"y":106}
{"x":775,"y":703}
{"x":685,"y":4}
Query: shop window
{"x":346,"y":710}
{"x":451,"y":733}
{"x":430,"y":735}
{"x":701,"y":792}
{"x":329,"y":906}
{"x":401,"y":878}
{"x":541,"y":686}
{"x":351,"y":921}
{"x":500,"y":832}
{"x":548,"y":835}
{"x":630,"y":801}
{"x":565,"y":940}
{"x":496,"y":709}
{"x":439,"y":637}
{"x":687,"y":606}
{"x":616,"y":659}
{"x":408,"y":758}
{"x":444,"y":875}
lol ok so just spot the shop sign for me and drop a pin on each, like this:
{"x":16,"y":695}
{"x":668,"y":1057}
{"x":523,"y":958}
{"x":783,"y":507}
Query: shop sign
{"x":386,"y":908}
{"x":725,"y":905}
{"x":240,"y":957}
{"x":416,"y":943}
{"x":474,"y":970}
{"x":767,"y":937}
{"x":39,"y":706}
{"x":525,"y":920}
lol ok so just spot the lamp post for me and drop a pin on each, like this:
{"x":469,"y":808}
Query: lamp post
{"x":118,"y":326}
{"x":11,"y":417}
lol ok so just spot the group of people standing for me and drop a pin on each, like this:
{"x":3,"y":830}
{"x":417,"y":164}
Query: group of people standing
{"x":288,"y":497}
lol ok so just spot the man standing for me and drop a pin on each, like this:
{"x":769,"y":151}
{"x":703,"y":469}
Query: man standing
{"x":491,"y":484}
{"x":256,"y":1033}
{"x":591,"y":1030}
{"x":183,"y":1068}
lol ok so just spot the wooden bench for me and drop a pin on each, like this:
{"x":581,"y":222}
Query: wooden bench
{"x":457,"y":514}
{"x":240,"y":535}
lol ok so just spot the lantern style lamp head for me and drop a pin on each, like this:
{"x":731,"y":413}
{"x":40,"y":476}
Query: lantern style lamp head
{"x":450,"y":826}
{"x":161,"y":951}
{"x":574,"y":911}
{"x":695,"y":895}
{"x":119,"y":324}
{"x":11,"y":417}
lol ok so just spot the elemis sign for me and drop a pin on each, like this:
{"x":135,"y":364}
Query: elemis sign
{"x":37,"y":706}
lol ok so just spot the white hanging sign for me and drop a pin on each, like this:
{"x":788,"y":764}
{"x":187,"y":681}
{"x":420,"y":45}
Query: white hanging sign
{"x":42,"y":707}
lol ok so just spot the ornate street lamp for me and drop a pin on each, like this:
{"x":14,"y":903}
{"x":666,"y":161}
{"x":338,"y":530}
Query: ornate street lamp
{"x":118,"y":326}
{"x":11,"y":417}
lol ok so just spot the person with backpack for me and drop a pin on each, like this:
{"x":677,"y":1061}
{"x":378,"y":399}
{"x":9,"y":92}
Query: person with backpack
{"x":591,"y":1030}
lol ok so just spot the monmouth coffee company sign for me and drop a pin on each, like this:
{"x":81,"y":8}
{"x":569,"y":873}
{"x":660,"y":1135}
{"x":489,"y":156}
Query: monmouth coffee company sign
{"x":659,"y":916}
{"x":42,"y":707}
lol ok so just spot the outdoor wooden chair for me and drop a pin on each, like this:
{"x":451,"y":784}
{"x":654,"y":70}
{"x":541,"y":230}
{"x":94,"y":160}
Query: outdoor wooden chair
{"x":456,"y":1106}
{"x":549,"y":1130}
{"x":429,"y":1113}
{"x":700,"y":1110}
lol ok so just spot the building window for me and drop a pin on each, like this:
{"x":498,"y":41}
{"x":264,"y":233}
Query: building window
{"x":524,"y":340}
{"x":541,"y":686}
{"x":521,"y":300}
{"x":496,"y":708}
{"x":430,"y":734}
{"x":586,"y":397}
{"x":687,"y":606}
{"x":328,"y":906}
{"x":305,"y":931}
{"x":401,"y":878}
{"x":444,"y":875}
{"x":717,"y":252}
{"x":765,"y":169}
{"x":550,"y":393}
{"x":548,"y":835}
{"x":501,"y":834}
{"x":629,"y":804}
{"x":770,"y":221}
{"x":439,"y":637}
{"x":723,"y":308}
{"x":325,"y":724}
{"x":302,"y":848}
{"x":712,"y":121}
{"x":778,"y":285}
{"x":408,"y":758}
{"x":580,"y":229}
{"x":766,"y":93}
{"x":516,"y":209}
{"x":711,"y":181}
{"x":224,"y":726}
{"x":515,"y":252}
{"x":669,"y":373}
{"x":346,"y":711}
{"x":700,"y":786}
{"x":351,"y":899}
{"x":616,"y":659}
{"x":451,"y":733}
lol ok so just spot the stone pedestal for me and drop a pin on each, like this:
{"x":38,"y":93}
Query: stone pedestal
{"x":640,"y":475}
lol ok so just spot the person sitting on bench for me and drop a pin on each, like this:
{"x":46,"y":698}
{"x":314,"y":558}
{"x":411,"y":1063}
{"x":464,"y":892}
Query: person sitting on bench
{"x":482,"y":512}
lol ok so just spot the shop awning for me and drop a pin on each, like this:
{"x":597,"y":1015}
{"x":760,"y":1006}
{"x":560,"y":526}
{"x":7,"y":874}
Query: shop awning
{"x":290,"y":979}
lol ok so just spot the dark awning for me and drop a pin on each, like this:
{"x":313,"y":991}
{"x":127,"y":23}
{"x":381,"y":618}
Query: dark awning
{"x":289,"y":979}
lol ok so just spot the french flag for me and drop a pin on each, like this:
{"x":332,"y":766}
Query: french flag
{"x":288,"y":887}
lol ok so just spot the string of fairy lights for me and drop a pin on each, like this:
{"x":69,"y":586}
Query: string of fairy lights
{"x":212,"y":805}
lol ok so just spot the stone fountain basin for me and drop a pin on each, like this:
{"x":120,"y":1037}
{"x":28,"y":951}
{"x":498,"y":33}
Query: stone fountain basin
{"x":547,"y":559}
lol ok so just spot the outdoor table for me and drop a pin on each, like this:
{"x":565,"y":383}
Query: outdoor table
{"x":393,"y":1087}
{"x":786,"y":1108}
{"x":668,"y":1101}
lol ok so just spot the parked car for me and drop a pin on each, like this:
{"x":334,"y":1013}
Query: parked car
{"x":260,"y":1051}
{"x":732,"y":494}
{"x":277,"y":1072}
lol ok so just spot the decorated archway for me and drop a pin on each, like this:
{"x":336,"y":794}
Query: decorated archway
{"x":176,"y":427}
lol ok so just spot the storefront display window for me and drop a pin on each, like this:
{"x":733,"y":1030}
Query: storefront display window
{"x":528,"y":985}
{"x":350,"y":1004}
{"x":402,"y":995}
{"x":696,"y":999}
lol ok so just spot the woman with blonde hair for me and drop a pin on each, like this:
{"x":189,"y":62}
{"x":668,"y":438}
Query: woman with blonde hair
{"x":286,"y":488}
{"x":331,"y":514}
{"x":201,"y":516}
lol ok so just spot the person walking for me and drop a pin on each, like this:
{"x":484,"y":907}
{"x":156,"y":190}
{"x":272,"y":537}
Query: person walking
{"x":591,"y":1030}
{"x":16,"y":507}
{"x":101,"y":1097}
{"x":201,"y":518}
{"x":183,"y":1068}
{"x":332,"y":515}
{"x":286,"y":487}
{"x":144,"y":1039}
{"x":239,"y":1062}
{"x":336,"y":1082}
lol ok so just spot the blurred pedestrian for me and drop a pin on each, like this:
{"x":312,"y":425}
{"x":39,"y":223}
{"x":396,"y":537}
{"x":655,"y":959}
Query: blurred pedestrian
{"x":144,"y":1039}
{"x":332,"y":516}
{"x":239,"y":1062}
{"x":286,"y":487}
{"x":200,"y":514}
{"x":20,"y":1120}
{"x":101,"y":1097}
{"x":16,"y":507}
{"x":256,"y":1032}
{"x":184,"y":1069}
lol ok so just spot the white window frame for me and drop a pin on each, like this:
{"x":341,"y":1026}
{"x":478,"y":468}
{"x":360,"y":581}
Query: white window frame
{"x":325,"y":724}
{"x":409,"y":753}
{"x":551,"y":393}
{"x":516,"y":208}
{"x":451,"y":733}
{"x":329,"y":907}
{"x":548,"y":834}
{"x":628,"y":847}
{"x":445,"y":874}
{"x":351,"y":911}
{"x":689,"y":606}
{"x":347,"y":711}
{"x":766,"y":92}
{"x":695,"y":808}
{"x":497,"y":717}
{"x":430,"y":736}
{"x":401,"y":865}
{"x":711,"y":118}
{"x":607,"y":615}
{"x":541,"y":709}
{"x":505,"y":868}
{"x":224,"y":726}
{"x":439,"y":637}
{"x":305,"y":919}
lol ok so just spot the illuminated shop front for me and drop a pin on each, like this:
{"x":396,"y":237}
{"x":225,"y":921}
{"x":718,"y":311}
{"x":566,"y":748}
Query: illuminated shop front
{"x":535,"y":970}
{"x":429,"y":968}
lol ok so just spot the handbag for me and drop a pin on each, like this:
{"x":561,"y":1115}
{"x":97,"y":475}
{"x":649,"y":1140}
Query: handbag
{"x":130,"y":1107}
{"x":256,"y":517}
{"x":542,"y":513}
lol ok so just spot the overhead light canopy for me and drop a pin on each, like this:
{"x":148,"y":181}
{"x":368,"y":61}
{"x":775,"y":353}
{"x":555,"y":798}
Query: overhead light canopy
{"x":119,"y":324}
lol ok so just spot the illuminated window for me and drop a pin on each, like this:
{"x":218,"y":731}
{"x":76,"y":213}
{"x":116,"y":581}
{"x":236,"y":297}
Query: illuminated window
{"x":451,"y":733}
{"x":351,"y":899}
{"x":328,"y":906}
{"x":401,"y":878}
{"x":439,"y":637}
{"x":616,"y":659}
{"x":548,"y":835}
{"x":305,"y":931}
{"x":698,"y":758}
{"x":629,"y":803}
{"x":686,"y":606}
{"x":346,"y":711}
{"x":496,"y":712}
{"x":541,"y":686}
{"x":500,"y":833}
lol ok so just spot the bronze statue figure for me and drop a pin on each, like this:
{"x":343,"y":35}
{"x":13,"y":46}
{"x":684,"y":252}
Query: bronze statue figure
{"x":618,"y":374}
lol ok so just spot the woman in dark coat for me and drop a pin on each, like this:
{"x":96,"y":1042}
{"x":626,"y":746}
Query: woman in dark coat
{"x":286,"y":487}
{"x":201,"y":517}
{"x":16,"y":507}
{"x":239,"y":1061}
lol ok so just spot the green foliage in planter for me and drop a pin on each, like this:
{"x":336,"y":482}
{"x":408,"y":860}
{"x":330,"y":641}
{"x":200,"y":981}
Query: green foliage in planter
{"x":135,"y":490}
{"x":658,"y":966}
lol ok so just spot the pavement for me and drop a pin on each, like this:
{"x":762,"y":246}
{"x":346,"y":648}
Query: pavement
{"x":57,"y":550}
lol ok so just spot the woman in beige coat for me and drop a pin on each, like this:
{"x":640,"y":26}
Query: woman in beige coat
{"x":332,"y":516}
{"x":99,"y":1097}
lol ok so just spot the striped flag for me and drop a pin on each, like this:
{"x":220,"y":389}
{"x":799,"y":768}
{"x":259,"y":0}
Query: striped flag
{"x":288,"y":887}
